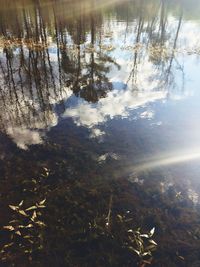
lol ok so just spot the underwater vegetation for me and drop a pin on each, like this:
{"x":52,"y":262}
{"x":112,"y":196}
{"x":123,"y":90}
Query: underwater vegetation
{"x":96,"y":221}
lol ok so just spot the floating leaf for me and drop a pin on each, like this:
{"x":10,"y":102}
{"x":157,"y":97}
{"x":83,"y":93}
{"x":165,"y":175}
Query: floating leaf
{"x":146,"y":253}
{"x":147,"y":261}
{"x":23,"y":213}
{"x":21,"y":226}
{"x":21,"y":203}
{"x":41,"y":206}
{"x":34,"y":216}
{"x":120,"y":217}
{"x":27,"y":236}
{"x":145,"y":235}
{"x":153,"y":242}
{"x":29,"y":226}
{"x":13,"y":207}
{"x":46,"y":171}
{"x":150,"y":247}
{"x":8,"y":245}
{"x":9,"y":227}
{"x":13,"y":221}
{"x":40,"y":223}
{"x":31,"y":208}
{"x":135,"y":250}
{"x":18,"y":233}
{"x":27,"y":251}
{"x":42,"y":202}
{"x":152,"y":231}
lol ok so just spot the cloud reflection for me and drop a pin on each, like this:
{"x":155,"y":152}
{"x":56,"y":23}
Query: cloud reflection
{"x":24,"y":137}
{"x":41,"y":72}
{"x":117,"y":103}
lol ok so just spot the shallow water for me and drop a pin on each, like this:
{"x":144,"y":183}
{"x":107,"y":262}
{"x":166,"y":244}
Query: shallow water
{"x":99,"y":104}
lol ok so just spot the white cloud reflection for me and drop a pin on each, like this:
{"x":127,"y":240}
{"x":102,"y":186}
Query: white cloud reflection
{"x":96,"y":133}
{"x":24,"y":137}
{"x":117,"y":103}
{"x":147,"y":87}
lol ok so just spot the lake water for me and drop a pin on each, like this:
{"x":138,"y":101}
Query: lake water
{"x":100,"y":133}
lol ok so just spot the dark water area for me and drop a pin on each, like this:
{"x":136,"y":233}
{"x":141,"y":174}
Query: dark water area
{"x":100,"y":133}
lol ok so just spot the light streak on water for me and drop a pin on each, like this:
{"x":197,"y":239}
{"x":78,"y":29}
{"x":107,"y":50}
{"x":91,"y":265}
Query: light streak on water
{"x":167,"y":160}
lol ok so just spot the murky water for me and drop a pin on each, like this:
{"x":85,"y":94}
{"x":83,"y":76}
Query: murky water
{"x":99,"y":132}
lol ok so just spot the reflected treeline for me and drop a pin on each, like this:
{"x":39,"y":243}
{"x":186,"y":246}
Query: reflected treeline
{"x":155,"y":43}
{"x":62,"y":203}
{"x":54,"y":49}
{"x":44,"y":56}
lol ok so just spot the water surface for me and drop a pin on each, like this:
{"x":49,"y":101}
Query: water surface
{"x":99,"y":117}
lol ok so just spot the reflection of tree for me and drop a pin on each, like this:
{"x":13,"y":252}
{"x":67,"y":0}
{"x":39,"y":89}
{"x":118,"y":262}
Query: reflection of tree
{"x":174,"y":47}
{"x":154,"y":42}
{"x":35,"y":76}
{"x":86,"y":70}
{"x":139,"y":30}
{"x":47,"y":52}
{"x":93,"y":84}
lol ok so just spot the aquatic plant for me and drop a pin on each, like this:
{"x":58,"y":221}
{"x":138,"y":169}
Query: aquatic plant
{"x":24,"y":235}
